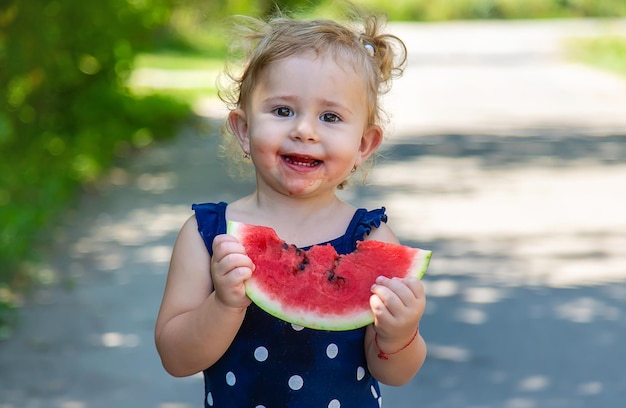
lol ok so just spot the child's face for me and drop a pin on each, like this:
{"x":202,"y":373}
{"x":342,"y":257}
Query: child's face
{"x":306,"y":125}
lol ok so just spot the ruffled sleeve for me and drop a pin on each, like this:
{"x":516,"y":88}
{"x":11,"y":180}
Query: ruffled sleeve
{"x":211,"y":218}
{"x":365,"y":221}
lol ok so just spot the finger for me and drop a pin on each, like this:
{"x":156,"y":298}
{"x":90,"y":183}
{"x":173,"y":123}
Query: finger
{"x":388,"y":297}
{"x":233,"y":260}
{"x":223,"y":238}
{"x":399,"y":288}
{"x":377,"y":305}
{"x":379,"y":310}
{"x":238,"y":274}
{"x":416,"y":286}
{"x":224,"y":245}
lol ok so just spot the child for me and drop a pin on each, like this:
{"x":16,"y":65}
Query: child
{"x":306,"y":113}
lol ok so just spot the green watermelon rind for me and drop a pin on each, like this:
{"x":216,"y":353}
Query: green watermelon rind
{"x":311,"y":320}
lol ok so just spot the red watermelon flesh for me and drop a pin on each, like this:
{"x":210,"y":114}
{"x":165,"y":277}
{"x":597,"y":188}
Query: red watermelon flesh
{"x":317,"y":288}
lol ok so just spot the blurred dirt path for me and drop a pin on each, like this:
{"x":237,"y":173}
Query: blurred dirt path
{"x":511,"y":78}
{"x":504,"y":158}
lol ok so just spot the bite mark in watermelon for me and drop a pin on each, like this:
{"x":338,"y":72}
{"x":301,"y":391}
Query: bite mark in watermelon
{"x":317,"y":288}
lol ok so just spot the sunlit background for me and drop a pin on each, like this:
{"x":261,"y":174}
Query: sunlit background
{"x":506,"y":155}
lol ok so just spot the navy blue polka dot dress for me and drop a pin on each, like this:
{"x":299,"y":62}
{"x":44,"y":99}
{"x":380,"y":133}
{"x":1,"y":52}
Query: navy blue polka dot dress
{"x":274,"y":364}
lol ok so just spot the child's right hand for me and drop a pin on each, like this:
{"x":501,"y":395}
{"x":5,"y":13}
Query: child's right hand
{"x":230,"y":267}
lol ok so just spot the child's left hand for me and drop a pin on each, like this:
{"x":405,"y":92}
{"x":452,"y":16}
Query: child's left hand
{"x":398,"y":306}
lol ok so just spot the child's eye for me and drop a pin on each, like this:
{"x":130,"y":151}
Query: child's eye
{"x":330,"y":117}
{"x":283,"y":112}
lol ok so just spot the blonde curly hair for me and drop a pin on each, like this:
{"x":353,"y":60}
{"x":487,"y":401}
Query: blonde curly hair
{"x":359,"y":41}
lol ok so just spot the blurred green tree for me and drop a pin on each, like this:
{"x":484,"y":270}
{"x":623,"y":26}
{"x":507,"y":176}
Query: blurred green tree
{"x":64,"y":108}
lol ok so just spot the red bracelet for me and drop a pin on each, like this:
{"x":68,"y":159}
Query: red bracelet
{"x":385,"y":356}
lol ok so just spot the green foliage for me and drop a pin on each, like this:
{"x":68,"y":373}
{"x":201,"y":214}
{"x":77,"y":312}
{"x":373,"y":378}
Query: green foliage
{"x":439,"y":10}
{"x":65,"y":112}
{"x":606,"y":52}
{"x":198,"y":25}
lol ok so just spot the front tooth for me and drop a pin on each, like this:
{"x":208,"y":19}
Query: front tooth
{"x":301,"y":163}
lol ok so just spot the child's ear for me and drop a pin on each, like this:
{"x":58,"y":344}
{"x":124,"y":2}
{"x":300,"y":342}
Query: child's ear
{"x":370,"y":142}
{"x":239,"y":125}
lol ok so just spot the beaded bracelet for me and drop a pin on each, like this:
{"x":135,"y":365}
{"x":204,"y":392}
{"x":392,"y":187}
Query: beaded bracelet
{"x":385,"y":356}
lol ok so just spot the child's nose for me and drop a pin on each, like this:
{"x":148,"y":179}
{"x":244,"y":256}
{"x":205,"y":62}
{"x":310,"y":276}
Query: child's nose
{"x":304,"y":130}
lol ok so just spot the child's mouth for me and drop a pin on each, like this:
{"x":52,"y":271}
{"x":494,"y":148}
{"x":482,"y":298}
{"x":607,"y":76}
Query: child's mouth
{"x":304,"y":161}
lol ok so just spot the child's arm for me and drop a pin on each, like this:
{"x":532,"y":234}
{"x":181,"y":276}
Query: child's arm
{"x":196,"y":323}
{"x":394,"y":348}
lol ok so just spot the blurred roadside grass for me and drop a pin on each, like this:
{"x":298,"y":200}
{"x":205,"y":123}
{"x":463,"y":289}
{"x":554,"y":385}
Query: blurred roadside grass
{"x":177,"y":60}
{"x":608,"y":53}
{"x":183,"y":77}
{"x":445,"y":10}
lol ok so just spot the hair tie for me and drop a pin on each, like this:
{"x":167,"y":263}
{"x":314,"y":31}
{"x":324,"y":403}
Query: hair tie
{"x":369,"y":48}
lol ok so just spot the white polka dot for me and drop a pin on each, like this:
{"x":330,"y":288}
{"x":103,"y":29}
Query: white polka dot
{"x":296,"y":327}
{"x":360,"y":373}
{"x":296,"y":382}
{"x":230,"y":378}
{"x":209,"y":399}
{"x":260,"y":406}
{"x":334,"y":404}
{"x":332,"y":350}
{"x":374,"y":393}
{"x":260,"y":354}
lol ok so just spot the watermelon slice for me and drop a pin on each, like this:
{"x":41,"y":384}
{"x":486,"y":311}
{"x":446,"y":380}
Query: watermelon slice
{"x":317,"y":288}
